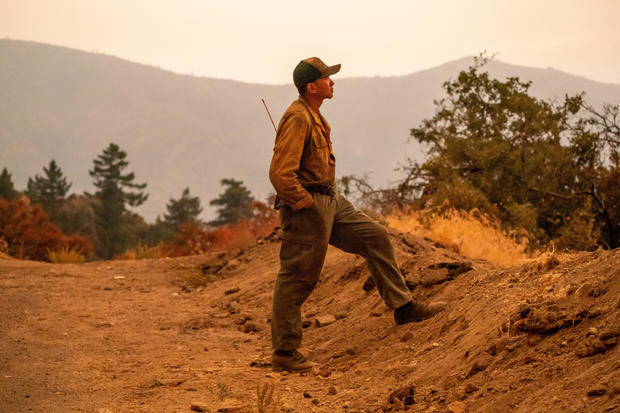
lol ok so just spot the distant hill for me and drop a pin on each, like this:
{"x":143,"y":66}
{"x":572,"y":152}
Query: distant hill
{"x":182,"y":130}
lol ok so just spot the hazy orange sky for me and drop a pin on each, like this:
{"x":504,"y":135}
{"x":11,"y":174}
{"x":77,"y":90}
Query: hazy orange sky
{"x":261,"y":41}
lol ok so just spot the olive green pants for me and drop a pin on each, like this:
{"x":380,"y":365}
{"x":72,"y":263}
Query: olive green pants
{"x":306,"y":235}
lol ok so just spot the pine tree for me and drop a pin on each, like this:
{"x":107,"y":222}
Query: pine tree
{"x":182,"y":210}
{"x":7,"y":190}
{"x":235,"y":203}
{"x":115,"y":191}
{"x":49,"y":190}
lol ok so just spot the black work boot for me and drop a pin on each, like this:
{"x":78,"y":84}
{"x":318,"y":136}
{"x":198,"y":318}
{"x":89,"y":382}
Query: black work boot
{"x":292,"y":361}
{"x":416,"y":311}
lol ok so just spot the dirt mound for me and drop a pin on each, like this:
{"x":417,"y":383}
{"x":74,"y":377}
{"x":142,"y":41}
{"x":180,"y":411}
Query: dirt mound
{"x":173,"y":335}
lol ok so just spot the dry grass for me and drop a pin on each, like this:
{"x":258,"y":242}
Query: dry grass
{"x":142,"y":252}
{"x":471,"y":234}
{"x":267,"y":400}
{"x":66,"y":255}
{"x":4,"y":256}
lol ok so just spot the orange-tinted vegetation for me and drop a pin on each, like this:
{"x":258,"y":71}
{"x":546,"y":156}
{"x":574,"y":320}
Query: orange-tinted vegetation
{"x":29,"y":234}
{"x":471,"y":234}
{"x":195,"y":239}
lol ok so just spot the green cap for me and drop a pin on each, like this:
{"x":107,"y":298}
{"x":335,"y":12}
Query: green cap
{"x":311,"y":69}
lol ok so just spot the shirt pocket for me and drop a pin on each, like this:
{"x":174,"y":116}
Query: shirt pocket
{"x":322,"y":150}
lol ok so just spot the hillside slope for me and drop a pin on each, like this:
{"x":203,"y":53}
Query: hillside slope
{"x":180,"y":130}
{"x":140,"y":336}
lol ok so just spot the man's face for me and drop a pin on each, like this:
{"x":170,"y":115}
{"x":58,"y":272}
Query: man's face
{"x":323,"y":88}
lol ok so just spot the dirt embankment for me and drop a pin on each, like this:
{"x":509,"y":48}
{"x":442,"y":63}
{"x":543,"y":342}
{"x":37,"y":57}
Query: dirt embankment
{"x":143,"y":336}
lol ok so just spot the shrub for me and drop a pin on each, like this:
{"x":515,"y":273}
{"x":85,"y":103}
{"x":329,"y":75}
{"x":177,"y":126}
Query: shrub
{"x":29,"y":233}
{"x":194,"y":239}
{"x":66,"y":255}
{"x":141,"y":252}
{"x":471,"y":234}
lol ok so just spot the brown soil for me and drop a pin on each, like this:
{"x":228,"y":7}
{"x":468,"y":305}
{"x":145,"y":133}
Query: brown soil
{"x":143,"y":336}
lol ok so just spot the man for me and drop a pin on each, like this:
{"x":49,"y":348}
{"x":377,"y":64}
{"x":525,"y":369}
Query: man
{"x":314,"y":214}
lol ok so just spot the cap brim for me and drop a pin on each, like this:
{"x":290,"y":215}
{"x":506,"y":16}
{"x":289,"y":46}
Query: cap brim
{"x":332,"y":70}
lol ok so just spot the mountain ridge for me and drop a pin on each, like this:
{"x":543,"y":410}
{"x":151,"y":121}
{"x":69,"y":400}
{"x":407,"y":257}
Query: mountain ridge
{"x":183,"y":130}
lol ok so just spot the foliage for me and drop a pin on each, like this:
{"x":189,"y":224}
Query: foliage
{"x":141,"y":252}
{"x":182,"y":210}
{"x":471,"y":234}
{"x":550,"y":169}
{"x":7,"y":190}
{"x":194,"y":239}
{"x":267,"y":399}
{"x":157,"y":232}
{"x":66,"y":255}
{"x":234,"y":203}
{"x":115,"y":191}
{"x":30,"y":234}
{"x":49,"y":190}
{"x":76,"y":216}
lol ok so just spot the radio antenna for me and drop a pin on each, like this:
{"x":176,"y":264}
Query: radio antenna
{"x":270,"y":118}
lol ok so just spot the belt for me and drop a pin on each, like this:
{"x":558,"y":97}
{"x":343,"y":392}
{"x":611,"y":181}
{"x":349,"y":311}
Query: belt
{"x":321,"y":189}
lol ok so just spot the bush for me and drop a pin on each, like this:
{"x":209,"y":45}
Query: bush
{"x":141,"y":252}
{"x":66,"y":255}
{"x":195,"y":239}
{"x":29,"y":233}
{"x":471,"y":234}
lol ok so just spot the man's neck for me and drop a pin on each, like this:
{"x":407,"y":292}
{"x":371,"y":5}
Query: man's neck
{"x":315,"y":103}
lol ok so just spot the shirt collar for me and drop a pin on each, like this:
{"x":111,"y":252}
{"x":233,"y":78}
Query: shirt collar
{"x":317,"y":118}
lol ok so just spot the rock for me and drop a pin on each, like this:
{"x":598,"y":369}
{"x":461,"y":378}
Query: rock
{"x":596,"y":392}
{"x":398,"y":405}
{"x":232,"y":264}
{"x":232,"y":407}
{"x":411,"y":284}
{"x":589,"y":347}
{"x":307,"y":395}
{"x":306,"y":323}
{"x":249,"y":328}
{"x":231,"y":291}
{"x":610,"y":332}
{"x":454,"y":268}
{"x":592,"y":331}
{"x":497,"y":346}
{"x":456,"y":407}
{"x":198,"y":407}
{"x":610,"y":342}
{"x":470,"y":388}
{"x":480,"y":364}
{"x":325,"y":320}
{"x":406,"y":337}
{"x":369,"y":284}
{"x":154,"y":383}
{"x":315,"y":402}
{"x":405,"y":395}
{"x":434,"y":278}
{"x":332,"y":390}
{"x":544,"y":319}
{"x":260,"y":363}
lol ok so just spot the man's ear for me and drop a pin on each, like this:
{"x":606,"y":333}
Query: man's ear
{"x":311,"y":88}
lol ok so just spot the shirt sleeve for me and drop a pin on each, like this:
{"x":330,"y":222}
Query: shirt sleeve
{"x":283,"y":172}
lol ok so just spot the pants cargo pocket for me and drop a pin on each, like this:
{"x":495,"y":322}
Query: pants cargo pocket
{"x":296,"y":252}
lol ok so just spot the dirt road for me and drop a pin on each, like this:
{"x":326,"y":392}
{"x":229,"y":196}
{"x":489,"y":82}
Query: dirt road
{"x":146,"y":336}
